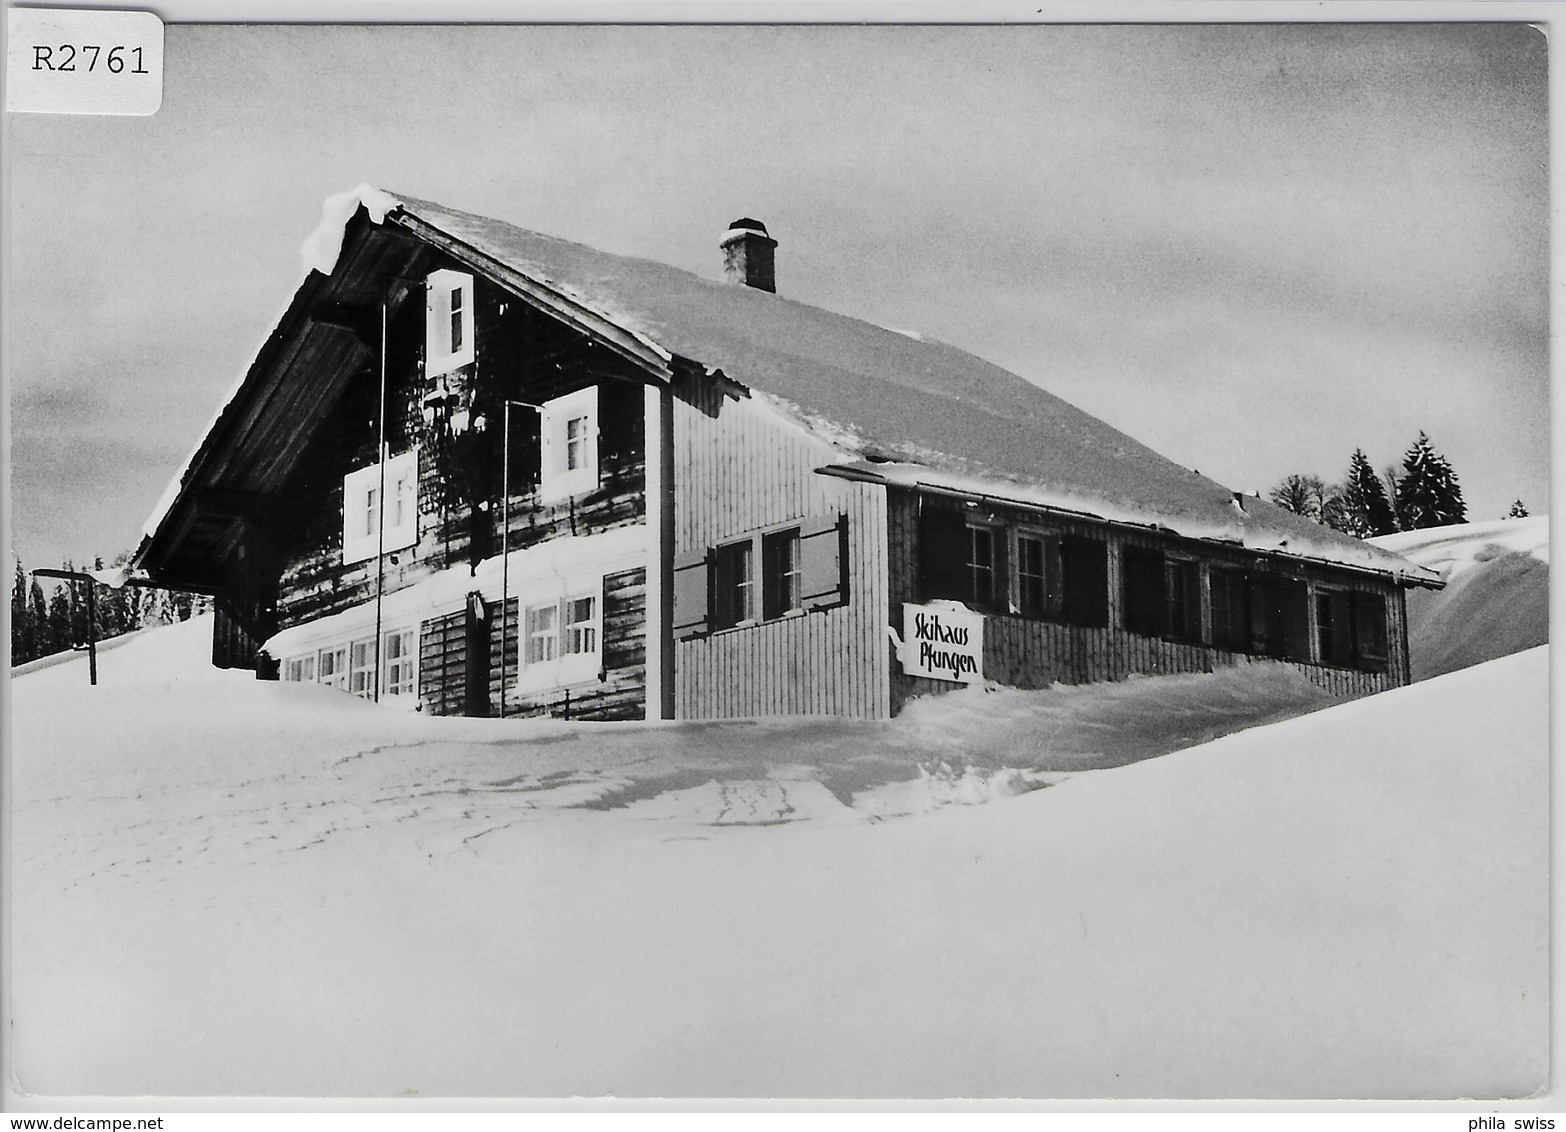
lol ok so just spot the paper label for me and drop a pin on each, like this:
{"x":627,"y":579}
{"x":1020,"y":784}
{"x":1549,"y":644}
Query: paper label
{"x":70,"y":61}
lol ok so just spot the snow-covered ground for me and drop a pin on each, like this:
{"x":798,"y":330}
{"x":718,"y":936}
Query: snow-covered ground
{"x":228,"y":887}
{"x":1497,"y":596}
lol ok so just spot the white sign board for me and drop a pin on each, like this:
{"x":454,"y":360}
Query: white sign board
{"x":943,"y":641}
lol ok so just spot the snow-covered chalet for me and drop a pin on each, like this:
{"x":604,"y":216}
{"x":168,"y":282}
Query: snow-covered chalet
{"x":478,"y":470}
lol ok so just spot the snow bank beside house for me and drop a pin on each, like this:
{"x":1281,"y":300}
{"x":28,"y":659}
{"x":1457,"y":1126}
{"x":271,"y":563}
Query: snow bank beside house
{"x":253,"y":888}
{"x":1497,"y":596}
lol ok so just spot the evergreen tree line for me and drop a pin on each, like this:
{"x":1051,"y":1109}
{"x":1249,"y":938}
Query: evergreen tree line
{"x":46,"y":621}
{"x":1424,"y":492}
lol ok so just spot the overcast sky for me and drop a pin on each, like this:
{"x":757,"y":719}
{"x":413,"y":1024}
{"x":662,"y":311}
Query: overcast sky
{"x":1254,"y":248}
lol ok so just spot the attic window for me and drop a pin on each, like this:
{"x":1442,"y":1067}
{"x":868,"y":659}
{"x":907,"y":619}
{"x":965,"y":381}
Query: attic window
{"x":569,"y":432}
{"x":363,"y":511}
{"x":448,"y":322}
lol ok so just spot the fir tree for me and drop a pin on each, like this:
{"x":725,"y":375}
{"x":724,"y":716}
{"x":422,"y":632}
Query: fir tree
{"x":1336,"y":511}
{"x":38,"y":614}
{"x":1518,"y":511}
{"x":24,"y":642}
{"x":1361,"y":508}
{"x":1302,"y":495}
{"x":1428,"y":494}
{"x":60,"y":627}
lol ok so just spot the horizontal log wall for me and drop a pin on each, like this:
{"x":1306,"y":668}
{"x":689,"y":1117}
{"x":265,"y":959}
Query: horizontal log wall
{"x":1033,"y":653}
{"x":443,"y":657}
{"x":620,"y":690}
{"x":521,"y":354}
{"x":740,"y":468}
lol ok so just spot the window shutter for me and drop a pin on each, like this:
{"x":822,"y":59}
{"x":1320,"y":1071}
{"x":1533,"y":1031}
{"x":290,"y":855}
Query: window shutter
{"x":1219,"y":586}
{"x":1144,"y":590}
{"x":823,"y":562}
{"x":1191,"y":577}
{"x":943,"y":554}
{"x":1294,"y":610}
{"x":690,"y":594}
{"x":1370,"y":632}
{"x":1231,"y":608}
{"x":550,"y":464}
{"x":434,"y":348}
{"x":1336,"y":627}
{"x":1085,"y":567}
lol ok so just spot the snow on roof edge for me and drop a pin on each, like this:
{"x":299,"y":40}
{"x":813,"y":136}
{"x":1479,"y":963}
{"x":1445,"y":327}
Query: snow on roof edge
{"x":323,"y":246}
{"x":1239,"y":533}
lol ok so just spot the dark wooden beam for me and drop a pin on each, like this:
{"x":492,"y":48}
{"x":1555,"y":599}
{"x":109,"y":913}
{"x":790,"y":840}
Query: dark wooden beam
{"x":364,"y":323}
{"x":228,"y":504}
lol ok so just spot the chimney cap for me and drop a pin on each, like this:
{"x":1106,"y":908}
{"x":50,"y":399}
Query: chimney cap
{"x":753,"y":225}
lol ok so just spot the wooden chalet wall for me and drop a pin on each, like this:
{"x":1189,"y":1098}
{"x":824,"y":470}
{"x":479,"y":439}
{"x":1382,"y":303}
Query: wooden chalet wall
{"x":520,"y":354}
{"x":1030,"y":652}
{"x":740,"y":467}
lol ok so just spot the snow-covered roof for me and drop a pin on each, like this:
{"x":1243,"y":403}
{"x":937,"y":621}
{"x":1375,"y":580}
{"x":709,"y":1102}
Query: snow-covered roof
{"x":877,"y":396}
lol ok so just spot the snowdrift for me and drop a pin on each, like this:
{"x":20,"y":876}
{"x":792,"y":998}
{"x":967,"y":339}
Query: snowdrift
{"x":226,"y":887}
{"x":1497,"y":596}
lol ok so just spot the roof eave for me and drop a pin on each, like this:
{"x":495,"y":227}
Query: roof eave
{"x":865,"y":475}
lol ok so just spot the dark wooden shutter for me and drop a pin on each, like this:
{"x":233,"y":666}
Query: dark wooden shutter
{"x":1191,"y":580}
{"x":823,"y":563}
{"x":1218,"y":586}
{"x":1230,"y":608}
{"x":1085,"y":570}
{"x":1294,"y":611}
{"x":1370,"y":632}
{"x":690,"y":594}
{"x":1143,"y":572}
{"x":476,"y":657}
{"x":943,"y":554}
{"x":1266,"y":617}
{"x":1336,"y":627}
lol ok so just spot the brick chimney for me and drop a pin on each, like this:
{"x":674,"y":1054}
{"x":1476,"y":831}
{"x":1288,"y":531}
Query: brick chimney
{"x":747,"y":254}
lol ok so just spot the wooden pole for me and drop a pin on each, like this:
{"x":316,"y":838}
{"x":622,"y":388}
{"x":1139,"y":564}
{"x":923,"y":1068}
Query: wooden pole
{"x":505,"y":548}
{"x":380,"y":517}
{"x":92,"y":636}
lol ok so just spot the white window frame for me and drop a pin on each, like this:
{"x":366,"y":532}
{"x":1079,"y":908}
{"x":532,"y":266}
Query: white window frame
{"x":361,"y":668}
{"x":557,"y":666}
{"x":406,"y":664}
{"x":360,"y":491}
{"x":338,"y":676}
{"x":300,"y":669}
{"x":558,"y":481}
{"x":439,"y":357}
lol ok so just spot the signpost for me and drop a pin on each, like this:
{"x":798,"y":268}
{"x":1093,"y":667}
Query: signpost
{"x":92,"y":616}
{"x":943,"y":640}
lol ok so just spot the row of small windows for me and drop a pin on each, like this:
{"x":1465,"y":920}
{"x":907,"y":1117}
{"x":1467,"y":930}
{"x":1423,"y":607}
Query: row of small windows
{"x":1057,"y":577}
{"x":350,"y":667}
{"x":561,"y":643}
{"x":1014,"y":568}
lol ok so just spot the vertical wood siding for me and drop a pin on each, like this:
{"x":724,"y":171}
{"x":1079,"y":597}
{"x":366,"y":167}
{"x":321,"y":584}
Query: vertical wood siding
{"x":738,"y":469}
{"x":1032,"y":653}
